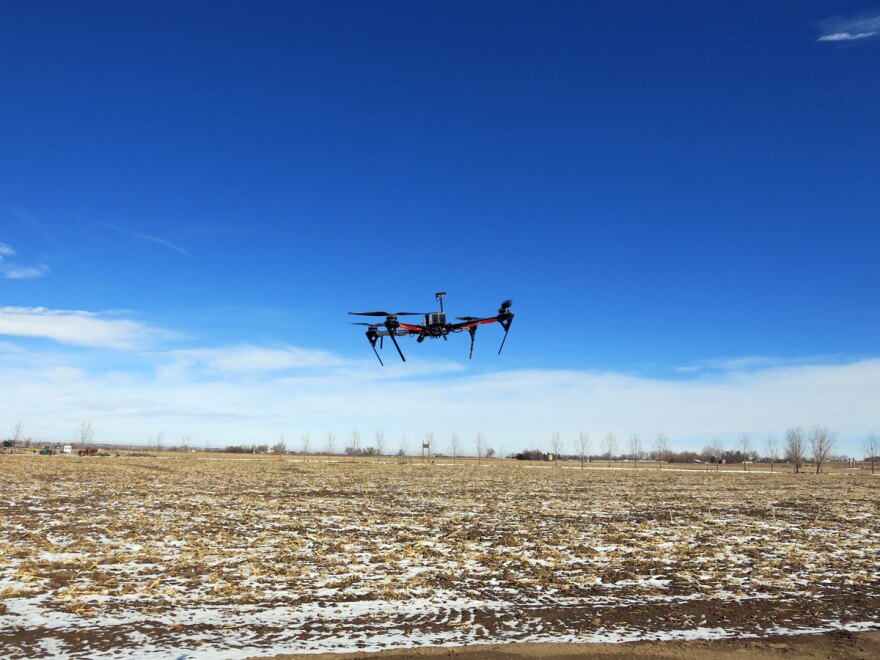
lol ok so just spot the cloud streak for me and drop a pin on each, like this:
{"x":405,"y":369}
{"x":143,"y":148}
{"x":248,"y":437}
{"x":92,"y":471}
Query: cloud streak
{"x":248,"y":359}
{"x":14,"y":271}
{"x":78,"y":328}
{"x":134,"y":234}
{"x":849,"y":28}
{"x":245,"y":393}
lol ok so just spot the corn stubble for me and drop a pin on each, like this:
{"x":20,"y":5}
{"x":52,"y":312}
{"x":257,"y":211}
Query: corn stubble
{"x":245,"y":556}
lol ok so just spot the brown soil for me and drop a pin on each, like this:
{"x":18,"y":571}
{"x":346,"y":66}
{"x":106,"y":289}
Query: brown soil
{"x":833,"y":645}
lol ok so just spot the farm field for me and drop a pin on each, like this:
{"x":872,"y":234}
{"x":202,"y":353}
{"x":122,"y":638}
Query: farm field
{"x":239,"y":557}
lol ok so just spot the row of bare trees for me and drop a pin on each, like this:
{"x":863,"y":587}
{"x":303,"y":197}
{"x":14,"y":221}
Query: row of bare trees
{"x":798,"y":446}
{"x":609,"y":443}
{"x":86,"y":434}
{"x":820,"y":442}
{"x":354,"y":446}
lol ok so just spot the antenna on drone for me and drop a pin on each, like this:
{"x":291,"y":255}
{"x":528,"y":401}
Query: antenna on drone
{"x":439,"y":297}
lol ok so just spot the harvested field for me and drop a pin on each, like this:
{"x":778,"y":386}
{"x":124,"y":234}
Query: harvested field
{"x":121,"y":557}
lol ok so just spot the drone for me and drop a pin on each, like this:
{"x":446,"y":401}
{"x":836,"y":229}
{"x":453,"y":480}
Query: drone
{"x":434,"y":326}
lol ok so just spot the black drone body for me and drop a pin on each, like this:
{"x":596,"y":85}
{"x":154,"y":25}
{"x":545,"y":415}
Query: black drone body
{"x":434,"y":326}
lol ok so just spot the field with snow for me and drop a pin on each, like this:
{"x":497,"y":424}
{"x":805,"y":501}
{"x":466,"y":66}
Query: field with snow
{"x":193,"y":556}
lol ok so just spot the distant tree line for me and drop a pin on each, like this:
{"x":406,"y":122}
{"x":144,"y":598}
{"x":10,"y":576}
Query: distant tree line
{"x":247,"y":449}
{"x":798,"y":447}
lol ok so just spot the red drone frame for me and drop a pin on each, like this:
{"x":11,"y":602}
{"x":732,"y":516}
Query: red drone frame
{"x":435,"y":326}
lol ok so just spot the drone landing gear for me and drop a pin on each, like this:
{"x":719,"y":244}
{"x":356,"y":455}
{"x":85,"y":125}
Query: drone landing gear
{"x":372,"y":337}
{"x":473,"y":333}
{"x":505,"y":323}
{"x":396,"y":345}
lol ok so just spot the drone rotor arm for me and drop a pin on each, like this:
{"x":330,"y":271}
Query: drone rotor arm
{"x":470,"y":322}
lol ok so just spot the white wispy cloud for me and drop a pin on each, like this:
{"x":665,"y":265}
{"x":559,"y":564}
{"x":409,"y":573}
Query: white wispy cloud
{"x":78,"y":328}
{"x":214,"y":398}
{"x":136,"y":234}
{"x":850,"y":28}
{"x":246,"y":358}
{"x":751,"y":363}
{"x":15,"y":271}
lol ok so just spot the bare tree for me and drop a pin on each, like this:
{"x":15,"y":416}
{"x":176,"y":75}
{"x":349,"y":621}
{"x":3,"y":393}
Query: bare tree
{"x":718,"y":450}
{"x":354,"y":443}
{"x":661,"y":446}
{"x":745,"y":447}
{"x":583,"y":445}
{"x":403,"y":447}
{"x":184,"y":444}
{"x":795,"y":446}
{"x":635,"y":448}
{"x":610,"y":445}
{"x":17,"y":433}
{"x":772,"y":449}
{"x":160,"y":439}
{"x":380,"y":443}
{"x":556,"y":444}
{"x":86,"y":434}
{"x":331,"y":443}
{"x":822,"y":442}
{"x":481,"y":446}
{"x":306,"y":441}
{"x":872,"y":447}
{"x":456,"y":446}
{"x":280,"y":447}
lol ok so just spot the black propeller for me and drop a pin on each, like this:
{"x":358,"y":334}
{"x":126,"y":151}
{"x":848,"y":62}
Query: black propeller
{"x":387,"y":313}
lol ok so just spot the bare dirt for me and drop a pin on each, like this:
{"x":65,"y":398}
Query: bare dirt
{"x":837,"y":645}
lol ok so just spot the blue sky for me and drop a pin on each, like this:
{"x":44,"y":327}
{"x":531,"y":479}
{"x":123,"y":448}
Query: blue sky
{"x":678,"y":196}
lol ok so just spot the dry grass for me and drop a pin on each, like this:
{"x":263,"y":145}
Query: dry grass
{"x":477,"y":552}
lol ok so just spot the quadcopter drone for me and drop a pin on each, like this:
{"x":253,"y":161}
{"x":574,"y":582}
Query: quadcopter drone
{"x":435,"y":326}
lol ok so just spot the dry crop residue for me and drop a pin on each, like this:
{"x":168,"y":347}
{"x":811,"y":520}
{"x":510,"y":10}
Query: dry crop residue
{"x":124,"y":557}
